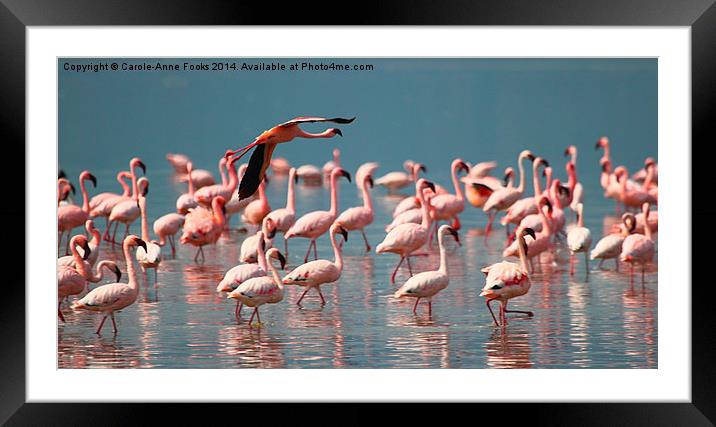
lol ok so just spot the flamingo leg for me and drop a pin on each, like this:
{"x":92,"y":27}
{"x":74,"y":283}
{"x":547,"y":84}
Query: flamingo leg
{"x":105,"y":236}
{"x":99,"y":328}
{"x":237,"y":311}
{"x":114,"y":235}
{"x":308,"y":252}
{"x":59,"y":312}
{"x":528,"y":313}
{"x":302,"y":295}
{"x":285,"y":247}
{"x":67,"y":248}
{"x":392,"y":277}
{"x":258,"y":316}
{"x":491,"y":217}
{"x":586,"y":262}
{"x":571,"y":265}
{"x":643,"y":267}
{"x":601,"y":261}
{"x":315,"y":255}
{"x":126,"y":231}
{"x":365,"y":239}
{"x":503,"y":318}
{"x":430,"y":307}
{"x":616,"y":263}
{"x":323,"y":301}
{"x":410,"y":269}
{"x":114,"y":324}
{"x":492,"y":312}
{"x":251,"y":319}
{"x":415,"y":307}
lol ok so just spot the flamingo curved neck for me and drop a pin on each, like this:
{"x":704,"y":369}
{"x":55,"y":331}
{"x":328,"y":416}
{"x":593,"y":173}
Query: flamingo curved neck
{"x":647,"y":226}
{"x":85,"y":196}
{"x":222,"y":172}
{"x":520,"y":160}
{"x":131,"y":272}
{"x":425,"y":210}
{"x":125,"y":186}
{"x":367,"y":202}
{"x":79,"y":262}
{"x":274,"y":274}
{"x":233,"y":177}
{"x":334,"y":192}
{"x":336,"y":252}
{"x":328,"y":133}
{"x":145,"y":223}
{"x":545,"y":222}
{"x":135,"y":188}
{"x":521,"y":249}
{"x":260,"y":254}
{"x":443,"y":254}
{"x":456,"y":183}
{"x":535,"y":180}
{"x":291,"y":197}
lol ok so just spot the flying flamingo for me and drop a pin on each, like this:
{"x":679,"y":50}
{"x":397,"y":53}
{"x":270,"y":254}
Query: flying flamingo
{"x":71,"y":216}
{"x":406,"y":238}
{"x":394,"y":181}
{"x":579,"y":239}
{"x":266,"y":143}
{"x":128,"y":211}
{"x":319,"y":272}
{"x":250,"y":245}
{"x":428,"y":283}
{"x":639,"y":248}
{"x":152,"y":256}
{"x":261,"y":290}
{"x":610,"y":246}
{"x":112,"y":297}
{"x":94,"y":245}
{"x":242,"y":272}
{"x":206,"y":194}
{"x":332,"y":164}
{"x":203,"y":226}
{"x":284,"y":218}
{"x":166,"y":227}
{"x":503,"y":198}
{"x":314,"y":224}
{"x":359,"y":217}
{"x":125,"y":201}
{"x":507,"y":280}
{"x":179,"y":162}
{"x":187,"y":201}
{"x":72,"y":280}
{"x":101,"y":205}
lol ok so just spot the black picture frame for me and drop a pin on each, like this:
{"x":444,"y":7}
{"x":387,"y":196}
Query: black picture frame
{"x":16,"y":15}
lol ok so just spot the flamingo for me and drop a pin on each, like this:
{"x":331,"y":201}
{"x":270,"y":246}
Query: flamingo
{"x":414,"y":215}
{"x":640,"y":175}
{"x":71,"y":216}
{"x":503,"y":198}
{"x":359,"y":217}
{"x":187,"y":201}
{"x":314,"y":224}
{"x":64,"y":187}
{"x":368,"y":168}
{"x":128,"y":204}
{"x":94,"y":245}
{"x":313,"y":274}
{"x":332,"y":164}
{"x":284,"y":218}
{"x":394,"y":181}
{"x":150,"y":257}
{"x":128,"y":211}
{"x":72,"y":280}
{"x":266,"y":143}
{"x":206,"y":194}
{"x":528,"y":205}
{"x":631,"y":197}
{"x":479,"y":189}
{"x":179,"y":162}
{"x":166,"y":227}
{"x":542,"y":241}
{"x":261,"y":290}
{"x":639,"y":248}
{"x":409,"y":203}
{"x":449,"y":206}
{"x":506,"y":280}
{"x":112,"y":297}
{"x":428,"y":283}
{"x":256,"y":210}
{"x":250,"y":245}
{"x":203,"y":226}
{"x":280,"y":166}
{"x":234,"y":205}
{"x":579,"y":239}
{"x":200,"y":178}
{"x":610,"y":246}
{"x":575,"y":187}
{"x":309,"y":174}
{"x":406,"y":238}
{"x":101,"y":205}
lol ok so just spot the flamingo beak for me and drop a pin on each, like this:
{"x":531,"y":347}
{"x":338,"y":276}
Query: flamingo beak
{"x":72,"y":188}
{"x":337,"y":131}
{"x":344,"y":233}
{"x":223,"y":210}
{"x":455,"y":235}
{"x":141,"y":165}
{"x":430,"y":185}
{"x":282,"y":260}
{"x":530,"y":232}
{"x":93,"y":179}
{"x":370,"y":181}
{"x":346,"y":174}
{"x":423,"y":168}
{"x":531,"y":157}
{"x":272,"y":233}
{"x":117,"y":272}
{"x":61,"y":174}
{"x":598,"y":145}
{"x":566,"y":152}
{"x":140,"y":242}
{"x":545,"y":162}
{"x":463,"y":166}
{"x":146,"y":190}
{"x":295,"y":179}
{"x":86,"y":248}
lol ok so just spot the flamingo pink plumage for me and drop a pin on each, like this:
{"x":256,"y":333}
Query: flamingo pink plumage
{"x":359,"y":217}
{"x":112,"y":297}
{"x":152,"y":256}
{"x":579,"y":239}
{"x":639,"y":248}
{"x":284,"y":218}
{"x":610,"y":246}
{"x":179,"y":162}
{"x":261,"y":290}
{"x":101,"y":205}
{"x":187,"y":201}
{"x":256,"y":210}
{"x":126,"y":210}
{"x":503,"y":198}
{"x":94,"y":246}
{"x":203,"y":226}
{"x":394,"y":181}
{"x":314,"y":224}
{"x":72,"y":280}
{"x":313,"y":274}
{"x":71,"y":216}
{"x":166,"y":227}
{"x":447,"y":207}
{"x":428,"y":283}
{"x":206,"y":194}
{"x":250,"y":246}
{"x":332,"y":164}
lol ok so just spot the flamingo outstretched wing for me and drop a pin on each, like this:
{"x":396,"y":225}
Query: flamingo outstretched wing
{"x":256,"y":171}
{"x":299,"y":120}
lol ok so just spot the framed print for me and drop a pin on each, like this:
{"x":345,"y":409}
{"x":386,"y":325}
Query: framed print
{"x":349,"y":213}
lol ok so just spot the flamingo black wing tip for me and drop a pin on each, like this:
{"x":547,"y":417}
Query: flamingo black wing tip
{"x":342,"y":120}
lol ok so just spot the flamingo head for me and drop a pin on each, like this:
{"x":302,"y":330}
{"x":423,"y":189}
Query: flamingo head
{"x":649,"y":162}
{"x":341,"y":172}
{"x":134,"y":240}
{"x":528,"y":154}
{"x":338,"y":229}
{"x":602,"y":143}
{"x":369,"y":180}
{"x":452,"y":232}
{"x":629,"y":221}
{"x":509,"y":174}
{"x":334,"y":132}
{"x":81,"y":241}
{"x":461,"y":166}
{"x":86,"y":175}
{"x":275,"y":253}
{"x":570,"y":151}
{"x":270,"y":226}
{"x":423,"y":183}
{"x":137,"y":162}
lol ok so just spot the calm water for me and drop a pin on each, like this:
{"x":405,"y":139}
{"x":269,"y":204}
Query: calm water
{"x":182,"y":322}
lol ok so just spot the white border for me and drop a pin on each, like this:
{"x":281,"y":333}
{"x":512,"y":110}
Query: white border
{"x":670,"y":382}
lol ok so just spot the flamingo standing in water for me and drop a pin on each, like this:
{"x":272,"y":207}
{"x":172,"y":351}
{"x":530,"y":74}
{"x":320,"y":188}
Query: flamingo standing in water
{"x":187,"y":201}
{"x":479,"y":189}
{"x":507,"y":280}
{"x":394,"y":181}
{"x":639,"y":248}
{"x":72,"y":280}
{"x":409,"y":203}
{"x":266,"y":143}
{"x":166,"y":227}
{"x":449,"y":206}
{"x":503,"y":198}
{"x":128,"y":211}
{"x":610,"y":246}
{"x":313,"y":274}
{"x":428,"y":283}
{"x":414,"y":215}
{"x":575,"y":187}
{"x":94,"y":245}
{"x":332,"y":164}
{"x":359,"y":217}
{"x":284,"y":218}
{"x":125,"y":208}
{"x":579,"y":239}
{"x":152,"y":256}
{"x":71,"y":216}
{"x":250,"y":245}
{"x":314,"y":224}
{"x":101,"y":205}
{"x":256,"y":210}
{"x":368,"y":168}
{"x":112,"y":297}
{"x":179,"y":162}
{"x":258,"y":291}
{"x":206,"y":194}
{"x":528,"y":205}
{"x":200,"y":178}
{"x":406,"y":238}
{"x":631,"y":197}
{"x":542,"y":241}
{"x":203,"y":226}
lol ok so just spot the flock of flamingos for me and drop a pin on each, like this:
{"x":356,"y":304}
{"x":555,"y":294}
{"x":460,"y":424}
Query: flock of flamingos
{"x":539,"y":223}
